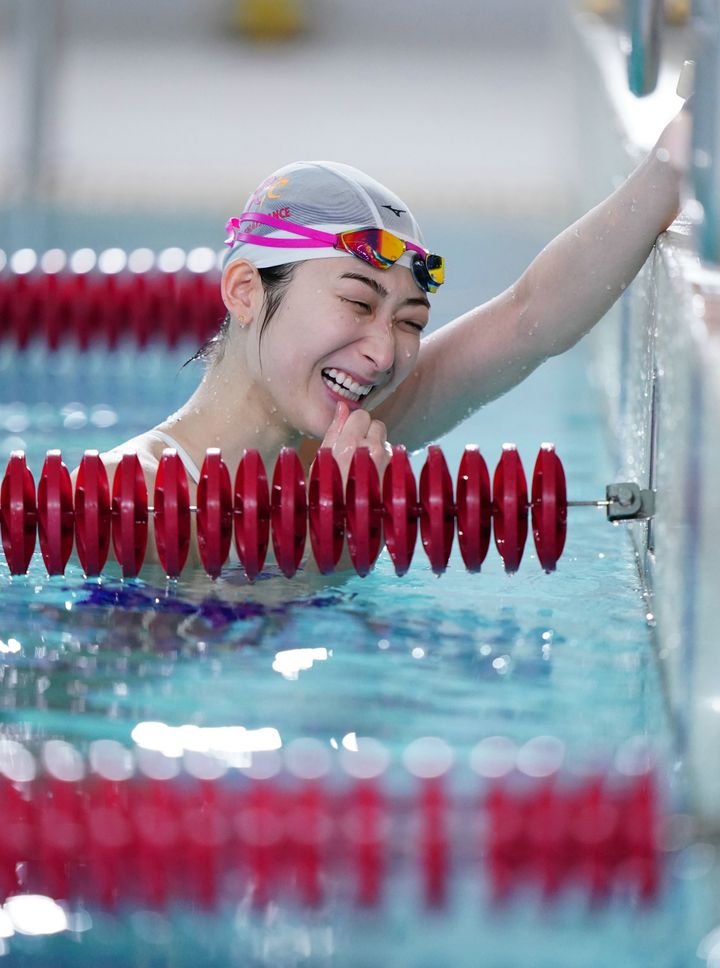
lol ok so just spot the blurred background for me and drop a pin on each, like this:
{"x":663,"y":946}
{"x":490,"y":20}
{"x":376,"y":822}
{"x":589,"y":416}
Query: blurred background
{"x":178,"y":108}
{"x":147,"y":124}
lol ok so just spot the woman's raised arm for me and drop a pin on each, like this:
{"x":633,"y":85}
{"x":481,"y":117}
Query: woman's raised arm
{"x":569,"y":286}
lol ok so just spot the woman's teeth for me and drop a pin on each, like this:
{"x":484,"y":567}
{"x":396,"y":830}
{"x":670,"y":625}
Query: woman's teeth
{"x":344,"y":385}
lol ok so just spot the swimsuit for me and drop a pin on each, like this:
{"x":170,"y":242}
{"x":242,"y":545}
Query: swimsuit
{"x":189,"y":464}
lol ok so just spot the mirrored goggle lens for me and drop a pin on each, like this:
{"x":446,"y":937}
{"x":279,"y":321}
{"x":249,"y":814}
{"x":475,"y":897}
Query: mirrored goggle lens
{"x":436,"y":268}
{"x":429,"y":272}
{"x":379,"y":248}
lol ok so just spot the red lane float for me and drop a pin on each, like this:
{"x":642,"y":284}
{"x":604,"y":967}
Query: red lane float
{"x":367,"y":810}
{"x":257,"y":513}
{"x":326,"y":510}
{"x":437,"y":512}
{"x":549,"y":507}
{"x":288,"y":511}
{"x":434,"y":841}
{"x":363,"y":511}
{"x":172,"y":513}
{"x":252,"y":513}
{"x":18,"y":514}
{"x":214,"y":512}
{"x":129,"y":515}
{"x":474,"y":508}
{"x":55,"y":513}
{"x":510,"y":508}
{"x":20,"y":307}
{"x":92,"y":514}
{"x":400,"y":510}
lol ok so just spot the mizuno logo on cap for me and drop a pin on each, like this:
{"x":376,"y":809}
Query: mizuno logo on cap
{"x":395,"y":211}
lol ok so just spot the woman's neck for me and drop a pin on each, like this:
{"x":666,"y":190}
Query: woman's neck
{"x":230,"y":411}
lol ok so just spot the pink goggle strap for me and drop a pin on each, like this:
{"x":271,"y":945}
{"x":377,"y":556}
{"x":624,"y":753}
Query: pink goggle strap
{"x":311,"y":238}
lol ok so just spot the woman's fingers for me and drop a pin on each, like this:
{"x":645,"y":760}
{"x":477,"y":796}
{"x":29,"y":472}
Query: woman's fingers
{"x":380,"y":449}
{"x":377,"y":433}
{"x":342,"y":412}
{"x":358,"y":424}
{"x":347,"y":433}
{"x":376,"y":438}
{"x":351,"y":434}
{"x":675,"y":143}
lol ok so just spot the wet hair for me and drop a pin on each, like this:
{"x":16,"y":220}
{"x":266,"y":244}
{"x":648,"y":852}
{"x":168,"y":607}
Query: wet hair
{"x":275,"y":281}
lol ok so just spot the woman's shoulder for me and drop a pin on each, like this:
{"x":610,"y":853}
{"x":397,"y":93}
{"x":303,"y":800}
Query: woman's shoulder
{"x":147,"y":448}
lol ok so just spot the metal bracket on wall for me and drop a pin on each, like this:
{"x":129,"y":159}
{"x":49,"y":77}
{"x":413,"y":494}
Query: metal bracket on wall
{"x":627,"y":500}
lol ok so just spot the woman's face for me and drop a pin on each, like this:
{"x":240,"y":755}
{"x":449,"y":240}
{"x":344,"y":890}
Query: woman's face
{"x":344,"y":331}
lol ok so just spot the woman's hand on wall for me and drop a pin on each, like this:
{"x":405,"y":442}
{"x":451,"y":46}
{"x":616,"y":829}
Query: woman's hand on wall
{"x":675,"y":142}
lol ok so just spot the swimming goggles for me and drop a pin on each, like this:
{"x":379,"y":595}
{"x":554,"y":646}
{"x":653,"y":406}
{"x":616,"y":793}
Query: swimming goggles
{"x":378,"y":247}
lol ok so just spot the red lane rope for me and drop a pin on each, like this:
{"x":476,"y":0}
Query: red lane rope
{"x":150,"y":841}
{"x":254,"y":512}
{"x":88,"y":307}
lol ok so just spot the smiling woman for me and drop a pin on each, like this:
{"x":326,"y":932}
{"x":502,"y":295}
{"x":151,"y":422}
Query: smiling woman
{"x":326,"y":283}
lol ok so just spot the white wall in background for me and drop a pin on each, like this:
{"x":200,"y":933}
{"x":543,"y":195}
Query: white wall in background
{"x":460,"y":105}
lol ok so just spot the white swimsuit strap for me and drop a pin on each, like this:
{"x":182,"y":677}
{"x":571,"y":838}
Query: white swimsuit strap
{"x":189,"y":464}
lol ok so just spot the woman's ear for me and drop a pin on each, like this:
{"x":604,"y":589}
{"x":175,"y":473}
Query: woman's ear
{"x":241,"y":289}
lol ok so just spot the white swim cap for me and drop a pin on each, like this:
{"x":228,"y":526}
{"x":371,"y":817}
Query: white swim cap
{"x":327,"y":196}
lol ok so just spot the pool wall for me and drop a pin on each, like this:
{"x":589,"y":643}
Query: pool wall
{"x":658,"y":363}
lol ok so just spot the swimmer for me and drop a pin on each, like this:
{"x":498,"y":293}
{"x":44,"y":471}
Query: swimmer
{"x":328,"y":282}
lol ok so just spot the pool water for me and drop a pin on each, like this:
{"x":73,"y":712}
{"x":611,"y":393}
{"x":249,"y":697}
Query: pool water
{"x":461,"y":657}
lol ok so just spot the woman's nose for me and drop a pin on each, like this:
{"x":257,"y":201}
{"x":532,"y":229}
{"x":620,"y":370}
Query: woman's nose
{"x":379,"y":347}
